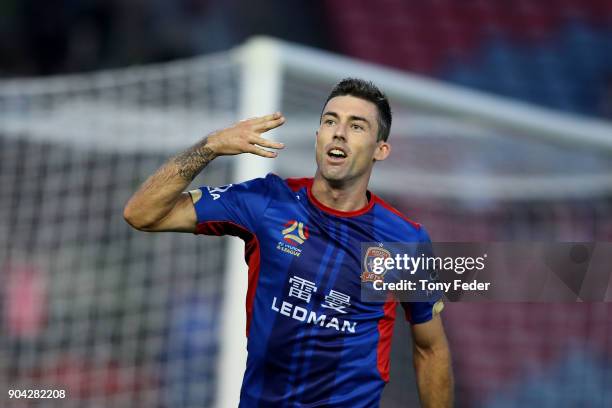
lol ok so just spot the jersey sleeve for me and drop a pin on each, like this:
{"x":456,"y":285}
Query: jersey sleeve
{"x":233,"y":208}
{"x":423,"y":311}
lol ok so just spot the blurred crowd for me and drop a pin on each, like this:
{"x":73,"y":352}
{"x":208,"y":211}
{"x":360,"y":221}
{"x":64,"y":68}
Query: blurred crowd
{"x":45,"y":37}
{"x":538,"y":51}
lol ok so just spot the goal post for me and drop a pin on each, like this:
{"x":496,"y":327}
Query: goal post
{"x":261,"y":80}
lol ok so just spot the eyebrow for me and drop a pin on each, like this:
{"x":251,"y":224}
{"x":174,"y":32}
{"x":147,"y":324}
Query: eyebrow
{"x":352,"y":117}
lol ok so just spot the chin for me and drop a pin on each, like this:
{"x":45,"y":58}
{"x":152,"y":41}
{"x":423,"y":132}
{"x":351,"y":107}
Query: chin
{"x":334,"y":178}
{"x":331,"y":174}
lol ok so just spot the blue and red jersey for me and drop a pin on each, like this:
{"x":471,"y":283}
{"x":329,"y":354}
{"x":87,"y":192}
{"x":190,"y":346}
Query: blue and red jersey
{"x":312,"y":342}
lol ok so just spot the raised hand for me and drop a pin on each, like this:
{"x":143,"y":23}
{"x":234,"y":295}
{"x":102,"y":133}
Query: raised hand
{"x":245,"y":137}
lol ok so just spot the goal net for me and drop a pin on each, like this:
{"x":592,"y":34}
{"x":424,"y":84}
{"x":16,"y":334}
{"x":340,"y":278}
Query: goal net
{"x":112,"y":316}
{"x":126,"y":319}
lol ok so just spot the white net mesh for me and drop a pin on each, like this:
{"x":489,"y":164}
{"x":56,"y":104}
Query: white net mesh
{"x":115,"y":317}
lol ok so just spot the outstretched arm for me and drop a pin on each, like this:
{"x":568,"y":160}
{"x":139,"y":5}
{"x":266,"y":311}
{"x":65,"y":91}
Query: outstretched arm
{"x":161,"y":204}
{"x":432,"y":363}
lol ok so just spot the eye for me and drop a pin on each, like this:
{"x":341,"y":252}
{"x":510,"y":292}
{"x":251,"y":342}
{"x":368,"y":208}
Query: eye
{"x":357,"y":127}
{"x":329,"y":122}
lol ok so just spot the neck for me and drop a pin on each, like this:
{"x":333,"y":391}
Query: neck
{"x":345,"y":196}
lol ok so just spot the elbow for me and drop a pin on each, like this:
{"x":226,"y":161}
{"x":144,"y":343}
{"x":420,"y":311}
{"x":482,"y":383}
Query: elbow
{"x":134,"y":218}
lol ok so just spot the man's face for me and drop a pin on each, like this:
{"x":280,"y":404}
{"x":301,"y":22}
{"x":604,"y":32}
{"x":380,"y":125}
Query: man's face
{"x":346,"y":140}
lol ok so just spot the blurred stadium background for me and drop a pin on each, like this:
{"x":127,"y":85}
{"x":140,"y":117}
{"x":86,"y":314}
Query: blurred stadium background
{"x":126,"y":319}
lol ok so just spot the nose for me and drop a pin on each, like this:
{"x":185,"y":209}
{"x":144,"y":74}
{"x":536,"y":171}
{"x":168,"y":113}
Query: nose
{"x":340,"y":133}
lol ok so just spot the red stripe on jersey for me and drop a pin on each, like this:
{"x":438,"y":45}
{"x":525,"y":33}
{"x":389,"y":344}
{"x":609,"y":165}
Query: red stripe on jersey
{"x":295,"y":184}
{"x":335,"y":212}
{"x":395,"y":211}
{"x":251,"y":255}
{"x":385,"y":333}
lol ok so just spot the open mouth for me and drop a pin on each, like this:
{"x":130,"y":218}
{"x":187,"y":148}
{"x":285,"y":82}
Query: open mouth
{"x":336,"y":153}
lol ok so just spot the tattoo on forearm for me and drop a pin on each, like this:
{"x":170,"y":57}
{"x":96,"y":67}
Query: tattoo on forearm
{"x":193,"y":160}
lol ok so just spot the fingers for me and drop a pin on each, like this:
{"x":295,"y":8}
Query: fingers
{"x":261,"y":152}
{"x":254,"y":127}
{"x":254,"y":120}
{"x":267,"y":143}
{"x":266,"y":118}
{"x":269,"y":124}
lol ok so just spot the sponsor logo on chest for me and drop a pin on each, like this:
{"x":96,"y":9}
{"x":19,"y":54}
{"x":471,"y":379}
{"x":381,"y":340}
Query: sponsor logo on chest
{"x":335,"y":303}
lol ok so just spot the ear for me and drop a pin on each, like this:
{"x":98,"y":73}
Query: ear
{"x":383,"y":150}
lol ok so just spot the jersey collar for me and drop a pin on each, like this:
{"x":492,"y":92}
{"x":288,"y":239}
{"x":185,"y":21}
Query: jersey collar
{"x":335,"y":212}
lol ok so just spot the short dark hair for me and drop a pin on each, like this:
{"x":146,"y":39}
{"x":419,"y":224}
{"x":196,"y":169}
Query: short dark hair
{"x":360,"y":88}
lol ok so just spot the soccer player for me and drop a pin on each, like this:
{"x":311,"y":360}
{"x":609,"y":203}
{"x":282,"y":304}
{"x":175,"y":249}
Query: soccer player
{"x":312,"y":342}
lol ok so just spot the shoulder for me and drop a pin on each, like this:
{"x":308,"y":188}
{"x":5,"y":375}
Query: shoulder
{"x":262,"y":184}
{"x":261,"y":188}
{"x":273,"y":186}
{"x":397,"y":216}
